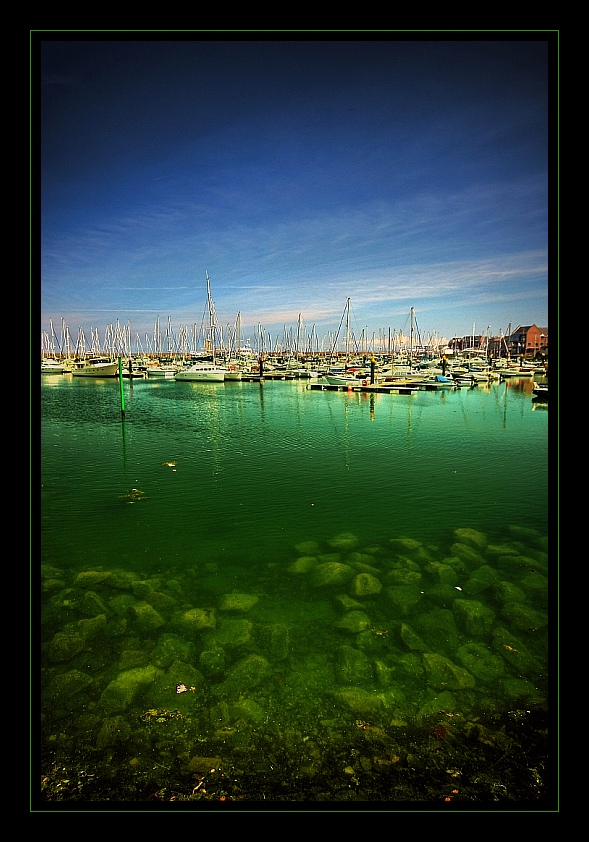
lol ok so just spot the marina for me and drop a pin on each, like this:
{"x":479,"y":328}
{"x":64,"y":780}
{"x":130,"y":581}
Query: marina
{"x":298,"y":557}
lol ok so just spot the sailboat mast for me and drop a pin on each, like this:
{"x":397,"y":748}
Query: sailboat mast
{"x":211,"y":316}
{"x":411,"y":336}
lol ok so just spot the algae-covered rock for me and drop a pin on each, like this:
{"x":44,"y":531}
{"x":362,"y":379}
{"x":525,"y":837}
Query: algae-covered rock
{"x":303,"y":564}
{"x":146,"y":617}
{"x":353,"y":667}
{"x":172,"y":647}
{"x":66,"y":685}
{"x":480,"y":661}
{"x":233,"y":631}
{"x":471,"y":536}
{"x":473,"y":618}
{"x":404,"y":598}
{"x":353,"y":622}
{"x":444,"y":674}
{"x":365,"y":584}
{"x":64,"y":647}
{"x":360,"y":701}
{"x":245,"y":675}
{"x":345,"y":541}
{"x":331,"y":573}
{"x":197,"y":619}
{"x":238,"y":602}
{"x":122,"y":690}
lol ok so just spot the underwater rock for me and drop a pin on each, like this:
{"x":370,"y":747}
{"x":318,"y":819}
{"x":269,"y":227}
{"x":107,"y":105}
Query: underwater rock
{"x":93,"y":604}
{"x":233,"y":632}
{"x":121,"y":604}
{"x":64,"y":647}
{"x":362,"y":562}
{"x":508,"y":592}
{"x":523,"y":617}
{"x":347,"y":603}
{"x":238,"y":602}
{"x":172,"y":647}
{"x":411,"y":639}
{"x":405,"y":543}
{"x":131,"y":658}
{"x":438,"y":629}
{"x":123,"y":689}
{"x":353,"y":622}
{"x":481,"y":662}
{"x":248,"y":711}
{"x":360,"y":701}
{"x":308,"y":547}
{"x":444,"y":674}
{"x":353,"y":667}
{"x":345,"y":541}
{"x":403,"y":577}
{"x":514,"y":651}
{"x":483,"y":578}
{"x":473,"y":618}
{"x":66,"y":685}
{"x":114,"y":731}
{"x":467,"y":554}
{"x":443,"y":574}
{"x":146,"y":617}
{"x":245,"y":675}
{"x":274,"y":640}
{"x":303,"y":564}
{"x":445,"y":701}
{"x":331,"y":573}
{"x":91,"y":627}
{"x":197,"y":619}
{"x":471,"y":536}
{"x":403,"y":598}
{"x":212,"y":659}
{"x":91,"y":577}
{"x":365,"y":584}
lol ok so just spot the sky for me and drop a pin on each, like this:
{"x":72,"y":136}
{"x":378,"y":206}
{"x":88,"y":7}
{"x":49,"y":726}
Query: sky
{"x":296,"y":172}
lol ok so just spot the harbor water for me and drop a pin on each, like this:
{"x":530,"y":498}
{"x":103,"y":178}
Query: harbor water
{"x":261,"y":592}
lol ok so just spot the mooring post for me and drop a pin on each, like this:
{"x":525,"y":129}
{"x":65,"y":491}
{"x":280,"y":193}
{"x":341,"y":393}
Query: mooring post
{"x":121,"y":387}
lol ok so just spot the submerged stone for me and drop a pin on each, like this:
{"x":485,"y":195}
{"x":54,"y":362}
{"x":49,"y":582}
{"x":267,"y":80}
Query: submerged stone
{"x":481,"y":662}
{"x":331,"y":573}
{"x":365,"y":584}
{"x":129,"y":684}
{"x":353,"y":622}
{"x":353,"y":667}
{"x":444,"y":674}
{"x":238,"y":602}
{"x":303,"y":564}
{"x":245,"y":675}
{"x":344,"y":541}
{"x":471,"y":536}
{"x":473,"y":618}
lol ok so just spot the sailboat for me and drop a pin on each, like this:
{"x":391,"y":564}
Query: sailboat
{"x":337,"y":377}
{"x":206,"y":372}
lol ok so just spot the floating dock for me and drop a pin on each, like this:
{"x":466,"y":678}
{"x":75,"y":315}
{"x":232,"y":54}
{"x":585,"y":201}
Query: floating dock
{"x":381,"y":388}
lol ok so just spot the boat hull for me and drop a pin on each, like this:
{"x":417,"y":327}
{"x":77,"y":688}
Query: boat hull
{"x":97,"y":370}
{"x":202,"y":374}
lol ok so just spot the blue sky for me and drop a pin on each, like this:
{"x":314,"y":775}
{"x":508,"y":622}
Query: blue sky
{"x":395,"y":172}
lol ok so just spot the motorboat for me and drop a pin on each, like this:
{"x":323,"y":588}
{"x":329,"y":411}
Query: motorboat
{"x":96,"y":367}
{"x":50,"y":366}
{"x":202,"y":373}
{"x":540,"y":391}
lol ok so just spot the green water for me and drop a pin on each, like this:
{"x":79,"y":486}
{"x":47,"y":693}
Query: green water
{"x":149,"y":522}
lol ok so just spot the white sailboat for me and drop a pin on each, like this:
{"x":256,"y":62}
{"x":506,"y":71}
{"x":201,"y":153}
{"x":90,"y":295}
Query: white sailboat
{"x":206,"y":372}
{"x":336,"y":376}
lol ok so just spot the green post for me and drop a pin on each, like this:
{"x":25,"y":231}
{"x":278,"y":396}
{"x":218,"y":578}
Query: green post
{"x":121,"y":386}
